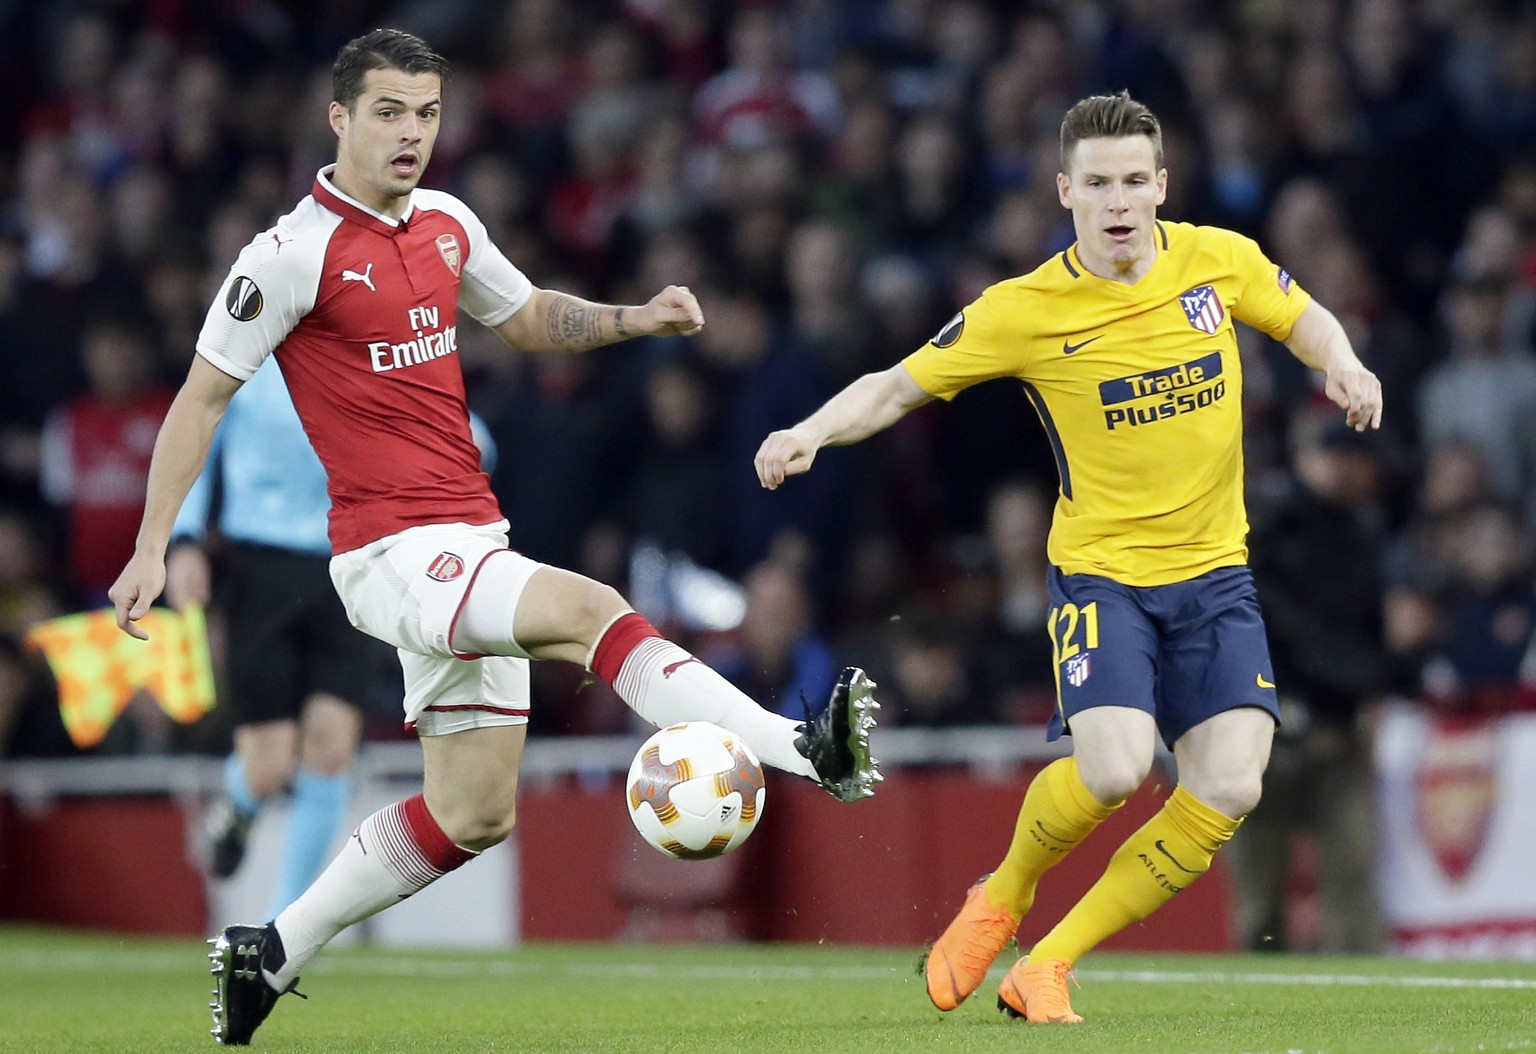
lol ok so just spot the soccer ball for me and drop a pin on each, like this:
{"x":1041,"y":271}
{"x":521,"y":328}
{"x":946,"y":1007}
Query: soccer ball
{"x":695,"y":791}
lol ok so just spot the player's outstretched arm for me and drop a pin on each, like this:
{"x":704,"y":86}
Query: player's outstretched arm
{"x":555,"y":321}
{"x":1320,"y":342}
{"x":870,"y":404}
{"x":180,"y":450}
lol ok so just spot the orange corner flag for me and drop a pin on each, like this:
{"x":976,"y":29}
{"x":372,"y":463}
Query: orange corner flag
{"x":99,"y":668}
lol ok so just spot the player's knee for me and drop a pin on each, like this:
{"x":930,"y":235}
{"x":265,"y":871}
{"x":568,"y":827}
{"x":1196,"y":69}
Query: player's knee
{"x":595,"y":607}
{"x":1112,"y":779}
{"x":1235,"y":796}
{"x":485,"y":827}
{"x":268,"y":753}
{"x":328,"y":759}
{"x":475,"y":817}
{"x":266,"y":776}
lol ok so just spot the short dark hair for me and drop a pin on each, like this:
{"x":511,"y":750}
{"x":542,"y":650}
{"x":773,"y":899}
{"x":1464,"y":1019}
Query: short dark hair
{"x":1109,"y":117}
{"x":381,"y":49}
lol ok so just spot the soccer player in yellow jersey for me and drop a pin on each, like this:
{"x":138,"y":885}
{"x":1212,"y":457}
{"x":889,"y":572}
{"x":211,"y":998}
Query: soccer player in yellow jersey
{"x":1125,"y":346}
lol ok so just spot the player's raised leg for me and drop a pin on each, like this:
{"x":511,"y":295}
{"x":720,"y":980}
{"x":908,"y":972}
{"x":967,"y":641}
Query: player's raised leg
{"x":550,"y":613}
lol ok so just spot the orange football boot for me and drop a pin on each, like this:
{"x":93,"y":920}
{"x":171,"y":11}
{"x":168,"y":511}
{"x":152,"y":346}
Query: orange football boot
{"x":960,"y":958}
{"x":1038,"y":991}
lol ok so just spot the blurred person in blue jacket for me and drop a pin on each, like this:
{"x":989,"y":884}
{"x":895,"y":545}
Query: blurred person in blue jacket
{"x":779,"y":657}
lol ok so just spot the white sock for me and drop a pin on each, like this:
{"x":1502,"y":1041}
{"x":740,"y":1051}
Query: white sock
{"x":665,"y":685}
{"x":395,"y":852}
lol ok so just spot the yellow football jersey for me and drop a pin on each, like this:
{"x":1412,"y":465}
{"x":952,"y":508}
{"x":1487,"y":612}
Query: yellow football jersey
{"x":1140,"y":391}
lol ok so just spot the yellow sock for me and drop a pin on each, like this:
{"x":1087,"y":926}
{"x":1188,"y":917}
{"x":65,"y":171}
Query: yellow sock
{"x":1170,"y":851}
{"x":1058,"y":812}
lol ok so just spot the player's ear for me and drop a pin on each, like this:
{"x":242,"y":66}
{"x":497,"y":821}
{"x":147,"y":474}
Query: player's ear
{"x":339,"y":116}
{"x":1064,"y":190}
{"x":1162,"y":185}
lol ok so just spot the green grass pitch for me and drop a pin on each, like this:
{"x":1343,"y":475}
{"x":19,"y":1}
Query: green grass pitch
{"x":82,"y":994}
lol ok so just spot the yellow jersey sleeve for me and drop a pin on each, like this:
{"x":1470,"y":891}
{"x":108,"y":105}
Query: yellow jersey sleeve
{"x":1268,"y":298}
{"x":981,"y":343}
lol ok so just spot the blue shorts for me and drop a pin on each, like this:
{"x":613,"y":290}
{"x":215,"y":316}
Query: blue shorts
{"x":1182,"y":652}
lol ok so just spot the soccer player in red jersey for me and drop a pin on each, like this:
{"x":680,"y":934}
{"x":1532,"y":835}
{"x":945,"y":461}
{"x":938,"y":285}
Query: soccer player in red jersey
{"x":356,"y":293}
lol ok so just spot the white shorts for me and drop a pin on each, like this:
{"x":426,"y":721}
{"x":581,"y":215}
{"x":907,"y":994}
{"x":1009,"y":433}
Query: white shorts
{"x":408,"y":589}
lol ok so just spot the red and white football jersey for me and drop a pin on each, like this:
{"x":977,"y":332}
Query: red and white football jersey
{"x":361,"y":311}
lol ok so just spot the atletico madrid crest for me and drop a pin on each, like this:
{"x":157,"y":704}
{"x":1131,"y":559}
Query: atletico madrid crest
{"x":1076,"y":669}
{"x":1203,"y":308}
{"x":448,"y":248}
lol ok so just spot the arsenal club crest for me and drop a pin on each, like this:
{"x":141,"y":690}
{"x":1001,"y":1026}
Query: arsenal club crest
{"x":1456,"y":791}
{"x":445,"y":567}
{"x":448,"y":249}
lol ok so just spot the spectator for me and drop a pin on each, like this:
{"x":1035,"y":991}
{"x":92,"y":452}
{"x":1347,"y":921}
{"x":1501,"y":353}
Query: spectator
{"x":26,"y":594}
{"x":1324,"y":525}
{"x":779,"y":657}
{"x":924,"y":678}
{"x":673,"y":492}
{"x":1485,"y":390}
{"x":825,"y":317}
{"x":851,"y":186}
{"x":1480,"y":661}
{"x":1017,"y":662}
{"x":96,"y":449}
{"x":763,"y":378}
{"x":760,"y":98}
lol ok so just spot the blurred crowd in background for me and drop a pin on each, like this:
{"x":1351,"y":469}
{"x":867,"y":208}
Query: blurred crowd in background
{"x":834,"y":180}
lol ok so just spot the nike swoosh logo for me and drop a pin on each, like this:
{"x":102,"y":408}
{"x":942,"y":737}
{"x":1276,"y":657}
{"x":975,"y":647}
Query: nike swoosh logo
{"x":1261,"y":682}
{"x":1164,"y":850}
{"x":1049,"y":833}
{"x":1067,"y":349}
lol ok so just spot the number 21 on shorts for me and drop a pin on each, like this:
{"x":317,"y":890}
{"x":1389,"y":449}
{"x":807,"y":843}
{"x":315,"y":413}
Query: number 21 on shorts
{"x":1074,"y":634}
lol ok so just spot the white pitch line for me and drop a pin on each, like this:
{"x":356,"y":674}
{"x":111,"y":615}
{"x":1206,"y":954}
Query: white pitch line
{"x":1352,"y":980}
{"x":405,"y":964}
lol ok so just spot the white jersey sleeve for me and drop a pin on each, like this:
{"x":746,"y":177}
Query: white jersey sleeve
{"x":491,"y":289}
{"x":272,"y":285}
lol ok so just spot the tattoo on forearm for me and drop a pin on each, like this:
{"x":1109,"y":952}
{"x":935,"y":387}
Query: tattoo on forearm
{"x":572,"y":322}
{"x":618,"y":324}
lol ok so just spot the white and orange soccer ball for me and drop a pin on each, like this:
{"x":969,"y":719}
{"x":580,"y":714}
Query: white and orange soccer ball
{"x":695,"y":791}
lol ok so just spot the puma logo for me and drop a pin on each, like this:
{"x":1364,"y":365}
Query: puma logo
{"x":365,"y":278}
{"x":671,"y":668}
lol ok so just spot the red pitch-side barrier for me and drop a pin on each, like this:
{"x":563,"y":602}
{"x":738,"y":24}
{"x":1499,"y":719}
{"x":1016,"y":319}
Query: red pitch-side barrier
{"x":887,"y":871}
